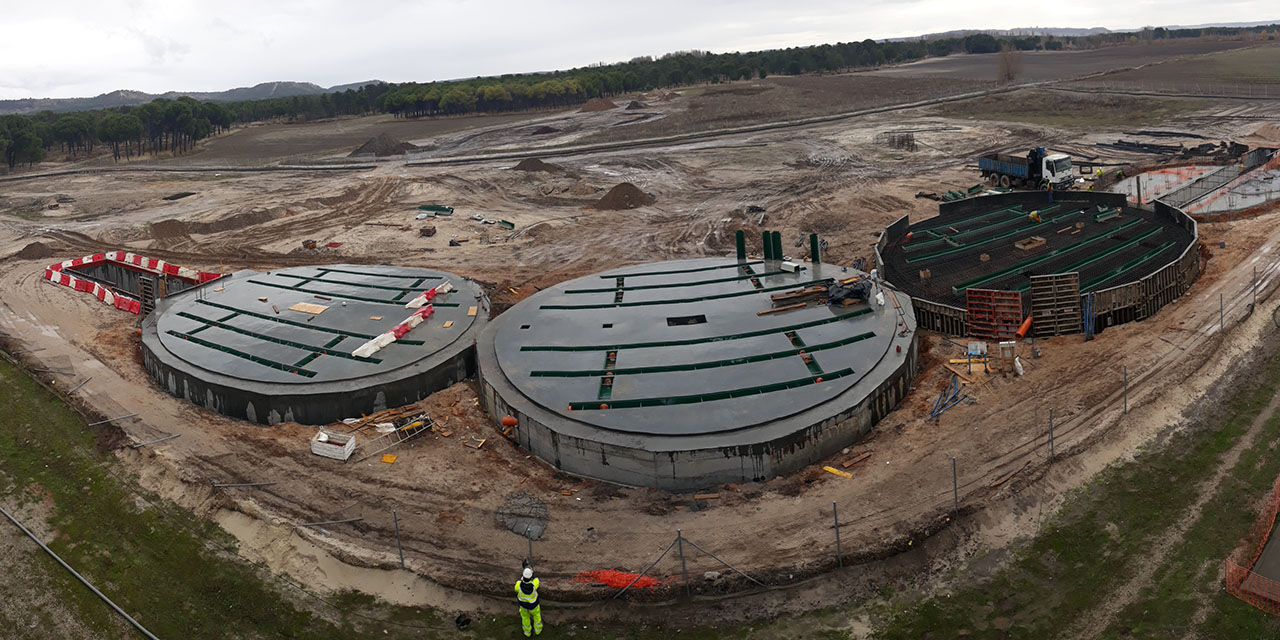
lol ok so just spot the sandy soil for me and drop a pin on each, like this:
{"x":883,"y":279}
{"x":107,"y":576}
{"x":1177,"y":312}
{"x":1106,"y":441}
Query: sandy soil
{"x":1057,"y":65}
{"x":832,"y":179}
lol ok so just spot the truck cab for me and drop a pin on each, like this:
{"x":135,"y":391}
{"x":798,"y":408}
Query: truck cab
{"x":1057,"y":171}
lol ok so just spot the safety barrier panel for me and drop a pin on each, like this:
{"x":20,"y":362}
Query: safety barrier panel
{"x":1241,"y":582}
{"x":57,"y":273}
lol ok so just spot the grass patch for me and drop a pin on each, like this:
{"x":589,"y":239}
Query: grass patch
{"x":175,"y":572}
{"x":30,"y":214}
{"x":1061,"y":109}
{"x":1091,"y":545}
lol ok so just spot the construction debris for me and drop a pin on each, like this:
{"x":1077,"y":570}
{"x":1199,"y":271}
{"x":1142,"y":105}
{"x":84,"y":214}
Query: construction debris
{"x":329,"y":444}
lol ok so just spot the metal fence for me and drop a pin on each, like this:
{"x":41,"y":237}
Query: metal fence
{"x":1115,"y":305}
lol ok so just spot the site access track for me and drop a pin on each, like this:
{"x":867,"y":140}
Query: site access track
{"x":663,"y":141}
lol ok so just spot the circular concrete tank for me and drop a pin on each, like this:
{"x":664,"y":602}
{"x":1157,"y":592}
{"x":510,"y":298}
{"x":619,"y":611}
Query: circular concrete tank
{"x":666,"y":374}
{"x":278,"y":346}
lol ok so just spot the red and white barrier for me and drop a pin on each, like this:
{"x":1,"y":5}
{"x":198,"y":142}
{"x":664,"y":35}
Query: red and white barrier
{"x":58,"y":274}
{"x":373,"y":346}
{"x":429,"y":295}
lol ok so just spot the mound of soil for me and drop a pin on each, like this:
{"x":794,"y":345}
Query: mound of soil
{"x":544,"y":130}
{"x":623,"y":196}
{"x":35,"y":251}
{"x":636,"y":104}
{"x":168,"y":229}
{"x":597,"y":104}
{"x":381,"y":146}
{"x":534,"y":164}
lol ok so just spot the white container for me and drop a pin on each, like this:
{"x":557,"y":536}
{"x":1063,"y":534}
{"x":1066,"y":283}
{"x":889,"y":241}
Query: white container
{"x":338,"y":446}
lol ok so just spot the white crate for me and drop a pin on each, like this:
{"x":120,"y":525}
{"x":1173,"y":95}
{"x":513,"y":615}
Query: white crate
{"x":338,"y":446}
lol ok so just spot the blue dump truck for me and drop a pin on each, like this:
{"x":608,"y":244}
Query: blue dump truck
{"x":1036,"y":170}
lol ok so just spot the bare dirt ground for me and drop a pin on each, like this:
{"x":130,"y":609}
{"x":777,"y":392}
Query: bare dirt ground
{"x":1039,"y":66}
{"x":833,"y":179}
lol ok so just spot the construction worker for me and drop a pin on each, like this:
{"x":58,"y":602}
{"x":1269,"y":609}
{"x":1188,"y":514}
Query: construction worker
{"x":527,"y":594}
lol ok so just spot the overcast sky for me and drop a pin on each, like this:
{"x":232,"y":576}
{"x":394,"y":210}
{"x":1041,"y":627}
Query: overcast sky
{"x":58,"y":48}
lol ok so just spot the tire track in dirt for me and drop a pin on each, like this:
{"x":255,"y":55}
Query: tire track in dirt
{"x":1094,"y":623}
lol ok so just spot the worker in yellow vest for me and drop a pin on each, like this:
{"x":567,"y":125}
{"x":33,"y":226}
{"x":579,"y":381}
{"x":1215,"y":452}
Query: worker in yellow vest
{"x":530,"y":610}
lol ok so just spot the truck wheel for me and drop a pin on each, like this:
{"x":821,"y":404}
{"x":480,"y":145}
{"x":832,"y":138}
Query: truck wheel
{"x":1004,"y":181}
{"x":1044,"y":185}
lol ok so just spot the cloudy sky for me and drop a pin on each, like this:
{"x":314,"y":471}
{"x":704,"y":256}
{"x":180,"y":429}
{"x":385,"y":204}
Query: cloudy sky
{"x":59,"y":48}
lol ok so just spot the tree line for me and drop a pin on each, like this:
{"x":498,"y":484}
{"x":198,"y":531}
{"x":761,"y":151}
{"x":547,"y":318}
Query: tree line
{"x":175,"y":126}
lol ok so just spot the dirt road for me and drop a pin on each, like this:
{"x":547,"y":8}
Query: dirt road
{"x":832,"y":179}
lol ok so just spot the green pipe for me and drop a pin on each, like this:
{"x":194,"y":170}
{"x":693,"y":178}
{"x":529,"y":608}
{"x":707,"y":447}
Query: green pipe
{"x":1090,"y":285}
{"x":813,"y":248}
{"x":767,"y":243}
{"x":960,"y":288}
{"x":740,"y":239}
{"x":777,"y":245}
{"x":1080,"y":264}
{"x":995,"y":238}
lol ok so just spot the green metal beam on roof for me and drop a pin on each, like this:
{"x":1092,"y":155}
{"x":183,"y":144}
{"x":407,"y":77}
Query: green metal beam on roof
{"x":695,"y":366}
{"x":692,"y":341}
{"x":960,"y":288}
{"x":708,"y":397}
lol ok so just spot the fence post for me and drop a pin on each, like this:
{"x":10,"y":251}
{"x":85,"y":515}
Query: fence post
{"x":836,"y":517}
{"x":684,"y":569}
{"x":396,"y":520}
{"x":955,"y":490}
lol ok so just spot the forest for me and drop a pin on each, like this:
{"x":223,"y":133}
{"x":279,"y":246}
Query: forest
{"x":174,"y":126}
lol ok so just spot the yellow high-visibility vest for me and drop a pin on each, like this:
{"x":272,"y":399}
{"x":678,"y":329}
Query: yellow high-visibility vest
{"x":531,"y":597}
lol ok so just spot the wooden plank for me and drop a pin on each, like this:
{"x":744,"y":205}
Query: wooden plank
{"x":790,"y":307}
{"x":956,"y":371}
{"x":448,"y":323}
{"x":472,"y":310}
{"x":307,"y":307}
{"x":842,"y":474}
{"x":855,"y":460}
{"x":375,"y":318}
{"x":705,"y":496}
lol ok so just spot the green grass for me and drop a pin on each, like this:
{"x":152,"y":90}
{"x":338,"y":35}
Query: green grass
{"x":1091,"y":544}
{"x":30,"y":214}
{"x":176,"y":572}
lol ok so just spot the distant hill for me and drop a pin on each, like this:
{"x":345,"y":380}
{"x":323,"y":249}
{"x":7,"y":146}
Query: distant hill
{"x":1023,"y":31}
{"x":125,"y":98}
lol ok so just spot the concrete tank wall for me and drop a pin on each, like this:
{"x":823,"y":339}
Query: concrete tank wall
{"x":686,"y":466}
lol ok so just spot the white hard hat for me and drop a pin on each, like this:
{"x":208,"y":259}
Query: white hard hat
{"x":528,"y":573}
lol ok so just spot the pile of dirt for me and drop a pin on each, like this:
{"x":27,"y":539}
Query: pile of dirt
{"x":535,"y":164}
{"x":544,"y":130}
{"x":35,"y":251}
{"x":636,"y":104}
{"x":623,"y":196}
{"x":597,"y":104}
{"x":168,"y":229}
{"x":381,"y":146}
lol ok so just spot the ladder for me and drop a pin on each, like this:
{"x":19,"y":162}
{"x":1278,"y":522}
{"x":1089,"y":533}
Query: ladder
{"x":147,"y":294}
{"x":397,"y":437}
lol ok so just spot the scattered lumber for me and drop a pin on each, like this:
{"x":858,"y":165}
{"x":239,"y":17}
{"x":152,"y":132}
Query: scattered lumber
{"x":806,"y":294}
{"x":705,"y":496}
{"x":956,"y":371}
{"x":862,"y":457}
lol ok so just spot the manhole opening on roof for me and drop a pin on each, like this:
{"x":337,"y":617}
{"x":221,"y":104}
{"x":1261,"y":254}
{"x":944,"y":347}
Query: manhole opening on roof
{"x":680,"y":321}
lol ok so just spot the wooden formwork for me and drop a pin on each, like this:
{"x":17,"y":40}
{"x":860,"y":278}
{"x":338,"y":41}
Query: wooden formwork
{"x":1055,"y":305}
